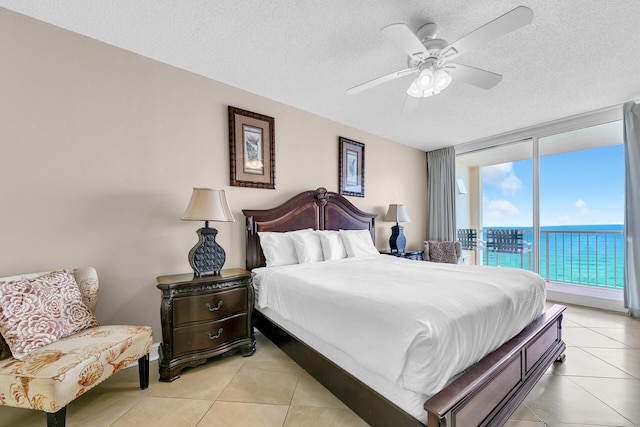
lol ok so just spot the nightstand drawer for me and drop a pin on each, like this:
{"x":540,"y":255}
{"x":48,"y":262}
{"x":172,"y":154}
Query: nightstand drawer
{"x":209,"y":335}
{"x":209,"y":307}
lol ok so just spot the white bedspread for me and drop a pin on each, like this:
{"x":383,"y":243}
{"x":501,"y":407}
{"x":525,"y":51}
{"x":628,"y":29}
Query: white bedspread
{"x":417,"y":324}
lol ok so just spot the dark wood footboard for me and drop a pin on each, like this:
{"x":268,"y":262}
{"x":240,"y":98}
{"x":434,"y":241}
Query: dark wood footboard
{"x":485,"y":395}
{"x":489,"y":392}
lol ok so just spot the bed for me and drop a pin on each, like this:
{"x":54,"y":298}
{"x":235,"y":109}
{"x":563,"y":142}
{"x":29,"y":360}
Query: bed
{"x":486,"y":393}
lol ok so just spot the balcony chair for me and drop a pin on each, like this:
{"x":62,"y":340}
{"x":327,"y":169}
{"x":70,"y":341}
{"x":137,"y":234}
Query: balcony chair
{"x":468,"y":238}
{"x":50,"y":367}
{"x":506,"y":241}
{"x":443,"y":251}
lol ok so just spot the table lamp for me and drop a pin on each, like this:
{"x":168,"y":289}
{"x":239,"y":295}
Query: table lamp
{"x":397,"y":214}
{"x":207,"y":257}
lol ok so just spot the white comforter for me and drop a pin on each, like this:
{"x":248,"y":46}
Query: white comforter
{"x":417,"y":324}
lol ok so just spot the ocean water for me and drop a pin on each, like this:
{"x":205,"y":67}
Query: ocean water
{"x":589,"y":255}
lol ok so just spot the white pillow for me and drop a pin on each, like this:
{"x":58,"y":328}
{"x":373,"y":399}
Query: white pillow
{"x":278,"y":248}
{"x":332,"y":246}
{"x":358,"y":243}
{"x":308,"y":247}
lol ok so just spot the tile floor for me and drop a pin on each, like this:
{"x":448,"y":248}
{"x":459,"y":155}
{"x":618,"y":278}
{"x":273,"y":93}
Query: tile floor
{"x":598,"y":385}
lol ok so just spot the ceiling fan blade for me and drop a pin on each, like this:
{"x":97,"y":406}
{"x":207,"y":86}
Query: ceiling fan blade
{"x":510,"y":21}
{"x":380,"y":80}
{"x":406,"y":40}
{"x":473,"y":76}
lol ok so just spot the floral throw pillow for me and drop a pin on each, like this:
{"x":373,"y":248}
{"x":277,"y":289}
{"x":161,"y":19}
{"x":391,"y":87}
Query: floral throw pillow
{"x":40,"y":311}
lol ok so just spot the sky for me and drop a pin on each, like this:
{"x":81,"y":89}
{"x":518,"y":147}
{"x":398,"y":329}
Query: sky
{"x":578,"y":188}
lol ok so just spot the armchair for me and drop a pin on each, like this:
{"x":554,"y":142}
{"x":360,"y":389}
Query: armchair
{"x":447,"y":252}
{"x":48,"y":377}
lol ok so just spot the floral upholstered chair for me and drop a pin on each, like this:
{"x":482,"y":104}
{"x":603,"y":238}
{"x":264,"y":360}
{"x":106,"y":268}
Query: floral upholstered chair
{"x":52,"y":349}
{"x":448,"y":252}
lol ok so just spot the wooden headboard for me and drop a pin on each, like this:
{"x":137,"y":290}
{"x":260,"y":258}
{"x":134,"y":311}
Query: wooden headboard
{"x":318,"y":209}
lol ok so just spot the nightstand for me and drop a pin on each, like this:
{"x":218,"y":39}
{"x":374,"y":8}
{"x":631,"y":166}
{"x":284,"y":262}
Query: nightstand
{"x":203,"y":317}
{"x":415,"y":255}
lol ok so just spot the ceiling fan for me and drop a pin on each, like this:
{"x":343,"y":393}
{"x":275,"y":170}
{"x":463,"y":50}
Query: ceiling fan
{"x":429,"y":57}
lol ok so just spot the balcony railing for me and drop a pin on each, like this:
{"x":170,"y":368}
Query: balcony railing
{"x":580,"y":257}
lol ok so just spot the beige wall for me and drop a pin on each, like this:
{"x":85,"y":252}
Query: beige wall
{"x":100,"y":148}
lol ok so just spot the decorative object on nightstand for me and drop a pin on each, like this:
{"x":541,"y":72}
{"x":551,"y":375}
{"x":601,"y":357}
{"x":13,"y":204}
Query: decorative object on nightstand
{"x":408,"y":254}
{"x":207,"y":257}
{"x":397,"y":214}
{"x":204,"y":317}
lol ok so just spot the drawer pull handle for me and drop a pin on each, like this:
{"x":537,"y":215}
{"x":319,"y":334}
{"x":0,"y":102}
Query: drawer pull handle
{"x":214,"y":337}
{"x":220,"y":303}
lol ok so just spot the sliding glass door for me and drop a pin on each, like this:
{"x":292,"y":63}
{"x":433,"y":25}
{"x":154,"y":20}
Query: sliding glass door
{"x":553,"y":204}
{"x":582,"y":206}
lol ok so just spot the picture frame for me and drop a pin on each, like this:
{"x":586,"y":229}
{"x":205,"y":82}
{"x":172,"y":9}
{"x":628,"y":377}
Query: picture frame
{"x":351,"y":167}
{"x":251,"y":149}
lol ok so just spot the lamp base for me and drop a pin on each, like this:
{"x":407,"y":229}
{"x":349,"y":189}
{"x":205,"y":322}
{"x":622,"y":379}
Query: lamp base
{"x":397,"y":241}
{"x":206,"y":257}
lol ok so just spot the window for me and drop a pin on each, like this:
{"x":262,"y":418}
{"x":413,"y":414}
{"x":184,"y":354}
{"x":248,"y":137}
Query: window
{"x":561,"y":195}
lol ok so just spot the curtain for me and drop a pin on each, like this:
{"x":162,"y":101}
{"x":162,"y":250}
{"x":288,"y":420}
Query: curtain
{"x":441,"y":174}
{"x":632,"y":208}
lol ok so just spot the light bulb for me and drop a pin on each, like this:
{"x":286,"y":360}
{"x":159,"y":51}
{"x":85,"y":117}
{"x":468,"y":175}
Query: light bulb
{"x":425,"y":79}
{"x":442,"y":80}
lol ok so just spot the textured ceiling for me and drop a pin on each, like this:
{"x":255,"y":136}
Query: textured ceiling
{"x":576,"y":56}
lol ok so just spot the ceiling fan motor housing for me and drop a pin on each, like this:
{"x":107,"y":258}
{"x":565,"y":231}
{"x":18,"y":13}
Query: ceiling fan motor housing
{"x":433,"y":46}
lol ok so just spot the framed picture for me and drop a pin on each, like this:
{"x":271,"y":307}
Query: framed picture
{"x":351,"y":167}
{"x":251,"y":149}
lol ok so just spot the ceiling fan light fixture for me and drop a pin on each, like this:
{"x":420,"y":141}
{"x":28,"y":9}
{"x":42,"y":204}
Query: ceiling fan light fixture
{"x":442,"y":80}
{"x":426,"y":79}
{"x":416,"y":92}
{"x":413,"y":90}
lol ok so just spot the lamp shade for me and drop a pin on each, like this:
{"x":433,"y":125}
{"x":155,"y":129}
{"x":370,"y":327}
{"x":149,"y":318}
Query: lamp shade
{"x":397,"y":213}
{"x":207,"y":204}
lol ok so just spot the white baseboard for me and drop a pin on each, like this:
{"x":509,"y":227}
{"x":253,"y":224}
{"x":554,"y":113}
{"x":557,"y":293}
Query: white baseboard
{"x":153,"y":353}
{"x":603,"y":299}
